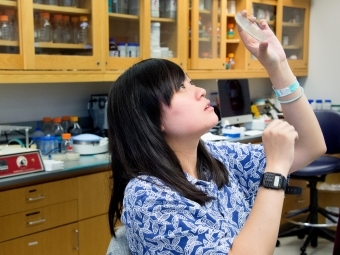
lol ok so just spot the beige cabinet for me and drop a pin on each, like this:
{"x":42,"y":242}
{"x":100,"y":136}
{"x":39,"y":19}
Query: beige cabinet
{"x":192,"y":34}
{"x":61,"y":217}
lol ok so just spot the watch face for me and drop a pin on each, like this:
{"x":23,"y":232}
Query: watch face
{"x":272,"y":180}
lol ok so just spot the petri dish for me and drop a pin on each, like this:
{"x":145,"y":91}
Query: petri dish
{"x":250,"y":27}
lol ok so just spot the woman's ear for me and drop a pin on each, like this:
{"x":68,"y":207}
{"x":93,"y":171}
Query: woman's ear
{"x":163,"y":129}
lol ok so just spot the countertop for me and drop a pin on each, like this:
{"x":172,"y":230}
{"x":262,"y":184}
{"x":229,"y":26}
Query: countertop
{"x":85,"y":165}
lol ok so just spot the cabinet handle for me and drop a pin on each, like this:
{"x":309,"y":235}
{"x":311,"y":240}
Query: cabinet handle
{"x":35,"y":198}
{"x":301,"y":201}
{"x":36,"y":222}
{"x":77,"y":239}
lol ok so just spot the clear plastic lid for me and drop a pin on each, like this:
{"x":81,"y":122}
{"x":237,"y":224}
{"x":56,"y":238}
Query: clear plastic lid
{"x":250,"y":27}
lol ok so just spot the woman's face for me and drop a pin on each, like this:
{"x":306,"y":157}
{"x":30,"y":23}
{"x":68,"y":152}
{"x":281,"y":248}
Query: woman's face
{"x":190,"y":113}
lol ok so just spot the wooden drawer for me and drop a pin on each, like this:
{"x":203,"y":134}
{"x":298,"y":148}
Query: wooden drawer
{"x":23,"y":199}
{"x":63,"y":240}
{"x":28,"y":222}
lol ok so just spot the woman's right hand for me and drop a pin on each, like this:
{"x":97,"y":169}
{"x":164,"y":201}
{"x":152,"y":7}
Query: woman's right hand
{"x":278,"y":140}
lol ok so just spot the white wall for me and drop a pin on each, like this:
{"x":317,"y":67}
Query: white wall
{"x":323,"y":81}
{"x":27,"y":102}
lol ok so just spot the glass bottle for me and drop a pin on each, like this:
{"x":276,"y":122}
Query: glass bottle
{"x":67,"y":3}
{"x":113,"y":49}
{"x":67,"y":29}
{"x":58,"y":131}
{"x":231,"y":60}
{"x":47,"y":126}
{"x":5,"y":29}
{"x":58,"y":28}
{"x":51,"y":2}
{"x":74,"y":128}
{"x":36,"y":27}
{"x":74,"y":29}
{"x":83,"y":29}
{"x":230,"y":31}
{"x":13,"y":25}
{"x":65,"y":123}
{"x":45,"y":28}
{"x":66,"y":144}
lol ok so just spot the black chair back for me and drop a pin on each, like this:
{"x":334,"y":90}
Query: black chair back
{"x":329,"y":121}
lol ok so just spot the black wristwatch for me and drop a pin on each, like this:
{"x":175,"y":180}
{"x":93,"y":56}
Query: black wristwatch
{"x":278,"y":181}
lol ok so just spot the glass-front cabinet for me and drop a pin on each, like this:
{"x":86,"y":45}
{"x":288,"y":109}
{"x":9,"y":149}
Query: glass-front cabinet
{"x":293,"y":33}
{"x":10,"y":39}
{"x":262,"y":9}
{"x":207,"y":34}
{"x":62,"y":34}
{"x":140,"y":29}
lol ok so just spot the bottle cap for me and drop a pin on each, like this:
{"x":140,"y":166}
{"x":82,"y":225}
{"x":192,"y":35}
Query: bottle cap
{"x":83,"y":18}
{"x":57,"y":120}
{"x":230,"y":25}
{"x":46,"y":119}
{"x":65,"y":118}
{"x":58,"y":17}
{"x":74,"y":118}
{"x":66,"y":18}
{"x":66,"y":136}
{"x":4,"y":18}
{"x":45,"y":15}
{"x":250,"y":27}
{"x":231,"y":55}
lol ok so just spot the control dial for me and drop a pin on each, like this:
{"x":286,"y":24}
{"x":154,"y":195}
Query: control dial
{"x":21,"y":161}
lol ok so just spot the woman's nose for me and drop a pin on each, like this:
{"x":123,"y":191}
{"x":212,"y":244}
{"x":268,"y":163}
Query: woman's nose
{"x":201,"y":92}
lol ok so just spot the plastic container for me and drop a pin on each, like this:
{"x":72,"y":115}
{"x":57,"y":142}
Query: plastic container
{"x":250,"y":27}
{"x":121,"y":46}
{"x":113,"y":49}
{"x":5,"y":29}
{"x":37,"y":134}
{"x":83,"y":30}
{"x":318,"y":104}
{"x":74,"y":128}
{"x":154,"y":8}
{"x":170,"y":9}
{"x":312,"y":103}
{"x":58,"y":28}
{"x":120,"y":6}
{"x":13,"y":24}
{"x":48,"y":145}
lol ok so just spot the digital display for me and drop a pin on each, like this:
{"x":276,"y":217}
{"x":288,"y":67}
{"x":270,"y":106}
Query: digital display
{"x":276,"y":181}
{"x":3,"y":165}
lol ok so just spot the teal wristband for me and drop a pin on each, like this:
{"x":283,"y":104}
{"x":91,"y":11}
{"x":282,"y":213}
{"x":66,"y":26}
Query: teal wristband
{"x":287,"y":90}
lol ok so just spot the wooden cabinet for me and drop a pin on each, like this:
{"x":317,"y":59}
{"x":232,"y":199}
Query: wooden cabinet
{"x":62,"y":217}
{"x":187,"y":33}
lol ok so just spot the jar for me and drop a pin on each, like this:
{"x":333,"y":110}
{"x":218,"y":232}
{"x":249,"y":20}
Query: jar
{"x":74,"y":128}
{"x":113,"y":49}
{"x":5,"y":29}
{"x":154,"y":5}
{"x":74,"y":30}
{"x":58,"y":28}
{"x":67,"y":29}
{"x":67,"y":144}
{"x":134,"y":7}
{"x":65,"y":123}
{"x":121,"y":49}
{"x":131,"y":50}
{"x":45,"y":34}
{"x":47,"y":126}
{"x":318,"y":104}
{"x":230,"y":31}
{"x":83,"y":30}
{"x":327,"y":104}
{"x":312,"y":103}
{"x":231,"y":61}
{"x":48,"y":145}
{"x":170,"y":9}
{"x":231,"y":6}
{"x":285,"y":39}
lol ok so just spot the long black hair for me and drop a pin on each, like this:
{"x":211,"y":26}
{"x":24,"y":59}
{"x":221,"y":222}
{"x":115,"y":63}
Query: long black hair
{"x":136,"y":142}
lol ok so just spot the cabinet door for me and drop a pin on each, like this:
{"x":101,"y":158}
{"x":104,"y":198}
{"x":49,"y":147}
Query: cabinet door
{"x":293,"y":32}
{"x":63,"y":240}
{"x":48,"y":46}
{"x":10,"y":36}
{"x":93,"y":194}
{"x":207,"y":34}
{"x":262,"y":9}
{"x":94,"y":235}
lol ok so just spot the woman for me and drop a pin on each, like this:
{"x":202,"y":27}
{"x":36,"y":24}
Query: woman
{"x":177,"y":195}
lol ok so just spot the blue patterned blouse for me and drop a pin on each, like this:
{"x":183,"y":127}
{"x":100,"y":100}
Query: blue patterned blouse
{"x":161,"y":221}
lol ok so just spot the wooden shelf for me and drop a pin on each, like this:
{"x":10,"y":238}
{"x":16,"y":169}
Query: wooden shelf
{"x":8,"y":3}
{"x":62,"y":45}
{"x":123,"y":16}
{"x":290,"y":24}
{"x":163,"y":19}
{"x":291,"y":47}
{"x":233,"y":40}
{"x":9,"y":43}
{"x":54,"y":8}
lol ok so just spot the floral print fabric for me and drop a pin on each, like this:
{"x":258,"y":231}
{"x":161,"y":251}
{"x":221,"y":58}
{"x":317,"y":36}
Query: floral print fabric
{"x":161,"y":221}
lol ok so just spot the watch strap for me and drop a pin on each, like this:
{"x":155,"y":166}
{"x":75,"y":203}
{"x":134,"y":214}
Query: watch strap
{"x":293,"y":190}
{"x":287,"y":90}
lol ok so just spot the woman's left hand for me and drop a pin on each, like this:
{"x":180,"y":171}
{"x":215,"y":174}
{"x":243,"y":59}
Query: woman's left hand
{"x":269,"y":52}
